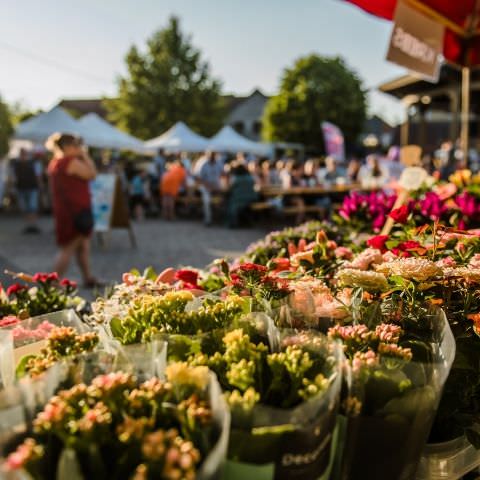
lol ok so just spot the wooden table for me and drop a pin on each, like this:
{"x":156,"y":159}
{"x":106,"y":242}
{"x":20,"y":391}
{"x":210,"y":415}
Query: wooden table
{"x":279,"y":191}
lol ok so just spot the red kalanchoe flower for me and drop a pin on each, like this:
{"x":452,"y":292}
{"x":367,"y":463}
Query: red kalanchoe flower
{"x":252,"y":267}
{"x":42,"y":277}
{"x":378,"y":242}
{"x":187,"y":276}
{"x":15,"y":289}
{"x":400,"y":214}
{"x":68,"y":284}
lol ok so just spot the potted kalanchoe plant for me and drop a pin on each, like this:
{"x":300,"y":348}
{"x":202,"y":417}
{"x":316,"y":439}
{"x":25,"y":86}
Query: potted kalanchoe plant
{"x":118,"y":428}
{"x":283,"y":399}
{"x":37,"y":294}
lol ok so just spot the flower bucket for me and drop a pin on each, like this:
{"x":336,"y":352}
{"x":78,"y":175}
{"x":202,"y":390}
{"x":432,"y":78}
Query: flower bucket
{"x":398,"y":406}
{"x":66,"y":463}
{"x":274,"y":443}
{"x":448,"y":460}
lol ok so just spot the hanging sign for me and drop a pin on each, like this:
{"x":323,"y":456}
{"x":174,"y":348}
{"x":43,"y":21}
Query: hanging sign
{"x":416,"y":42}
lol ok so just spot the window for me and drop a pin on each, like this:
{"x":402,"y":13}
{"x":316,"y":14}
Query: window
{"x":239,"y":127}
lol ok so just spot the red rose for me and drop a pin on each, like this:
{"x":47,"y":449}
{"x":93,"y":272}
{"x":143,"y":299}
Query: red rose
{"x":187,"y":276}
{"x":252,"y":267}
{"x":15,"y":288}
{"x":408,"y":245}
{"x":400,"y":253}
{"x":378,"y":242}
{"x":400,"y":214}
{"x":281,"y":264}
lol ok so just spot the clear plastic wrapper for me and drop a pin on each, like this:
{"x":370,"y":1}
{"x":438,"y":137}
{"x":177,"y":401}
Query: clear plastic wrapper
{"x":392,"y":411}
{"x":295,"y":443}
{"x":29,"y":336}
{"x":448,"y":460}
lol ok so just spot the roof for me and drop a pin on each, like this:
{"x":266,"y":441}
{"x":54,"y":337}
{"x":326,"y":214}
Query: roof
{"x":82,"y":106}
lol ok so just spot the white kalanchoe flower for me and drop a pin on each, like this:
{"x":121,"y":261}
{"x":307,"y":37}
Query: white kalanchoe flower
{"x":370,"y":281}
{"x":412,"y":268}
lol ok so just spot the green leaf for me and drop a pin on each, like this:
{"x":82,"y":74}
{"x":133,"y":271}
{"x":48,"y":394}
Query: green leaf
{"x":21,"y":370}
{"x":150,"y":274}
{"x":116,"y":327}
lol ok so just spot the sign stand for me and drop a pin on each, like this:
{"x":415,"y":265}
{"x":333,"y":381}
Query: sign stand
{"x":110,"y":209}
{"x":411,"y":179}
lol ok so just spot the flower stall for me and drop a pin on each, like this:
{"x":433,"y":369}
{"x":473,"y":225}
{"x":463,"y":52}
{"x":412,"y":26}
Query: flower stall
{"x":328,"y":350}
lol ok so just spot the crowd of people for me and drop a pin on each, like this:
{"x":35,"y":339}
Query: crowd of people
{"x":59,"y":182}
{"x":240,"y":180}
{"x":160,"y":185}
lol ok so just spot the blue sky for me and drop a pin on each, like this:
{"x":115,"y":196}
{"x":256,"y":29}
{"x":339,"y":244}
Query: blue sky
{"x":247,"y":42}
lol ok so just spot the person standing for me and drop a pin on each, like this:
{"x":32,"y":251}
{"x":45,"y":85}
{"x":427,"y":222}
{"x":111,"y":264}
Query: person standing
{"x":172,"y":181}
{"x":70,"y":171}
{"x":26,"y":179}
{"x":208,"y":173}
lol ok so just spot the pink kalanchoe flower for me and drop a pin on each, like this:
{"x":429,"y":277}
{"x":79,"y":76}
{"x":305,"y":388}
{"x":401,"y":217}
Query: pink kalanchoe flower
{"x":9,"y":320}
{"x":474,"y":261}
{"x":343,"y":252}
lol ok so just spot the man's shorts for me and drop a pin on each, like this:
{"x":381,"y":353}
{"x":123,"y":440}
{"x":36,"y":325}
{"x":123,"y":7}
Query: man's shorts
{"x":28,"y":200}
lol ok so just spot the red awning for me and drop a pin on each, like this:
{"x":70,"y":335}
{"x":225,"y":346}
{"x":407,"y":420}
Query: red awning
{"x":454,"y":14}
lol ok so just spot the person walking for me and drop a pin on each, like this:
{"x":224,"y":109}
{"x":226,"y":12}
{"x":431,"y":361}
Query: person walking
{"x":208,"y":172}
{"x":26,"y":179}
{"x":70,"y":171}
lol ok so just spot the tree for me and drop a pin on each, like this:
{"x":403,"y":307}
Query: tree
{"x":6,"y":128}
{"x":168,"y":83}
{"x":314,"y":90}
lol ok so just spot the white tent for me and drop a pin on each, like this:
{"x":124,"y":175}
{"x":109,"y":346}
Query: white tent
{"x":228,"y":140}
{"x":178,"y":138}
{"x":101,"y":134}
{"x":40,"y":127}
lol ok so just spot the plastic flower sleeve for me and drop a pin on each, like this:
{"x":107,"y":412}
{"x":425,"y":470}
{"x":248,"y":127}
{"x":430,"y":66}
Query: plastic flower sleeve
{"x":7,"y":362}
{"x":275,"y":443}
{"x":214,"y":464}
{"x":13,"y":421}
{"x":391,"y":407}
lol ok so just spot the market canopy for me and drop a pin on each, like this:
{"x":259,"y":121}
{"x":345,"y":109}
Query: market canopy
{"x":179,"y":138}
{"x":228,"y":140}
{"x":462,"y":35}
{"x":101,"y":134}
{"x":40,"y":127}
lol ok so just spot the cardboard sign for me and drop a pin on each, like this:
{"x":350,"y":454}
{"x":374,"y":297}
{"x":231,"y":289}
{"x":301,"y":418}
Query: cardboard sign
{"x":411,"y":155}
{"x":334,"y":142}
{"x":102,"y":190}
{"x":416,"y":42}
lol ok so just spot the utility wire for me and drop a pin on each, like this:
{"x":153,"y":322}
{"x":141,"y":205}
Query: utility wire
{"x":52,"y":63}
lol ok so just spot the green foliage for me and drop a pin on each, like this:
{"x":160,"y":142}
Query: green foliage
{"x":314,"y":90}
{"x":6,"y":128}
{"x":169,"y":82}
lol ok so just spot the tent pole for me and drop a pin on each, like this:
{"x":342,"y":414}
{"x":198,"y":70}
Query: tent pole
{"x":464,"y":133}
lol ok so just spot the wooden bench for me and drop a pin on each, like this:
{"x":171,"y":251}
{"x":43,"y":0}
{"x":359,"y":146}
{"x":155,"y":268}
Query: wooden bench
{"x":295,"y":210}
